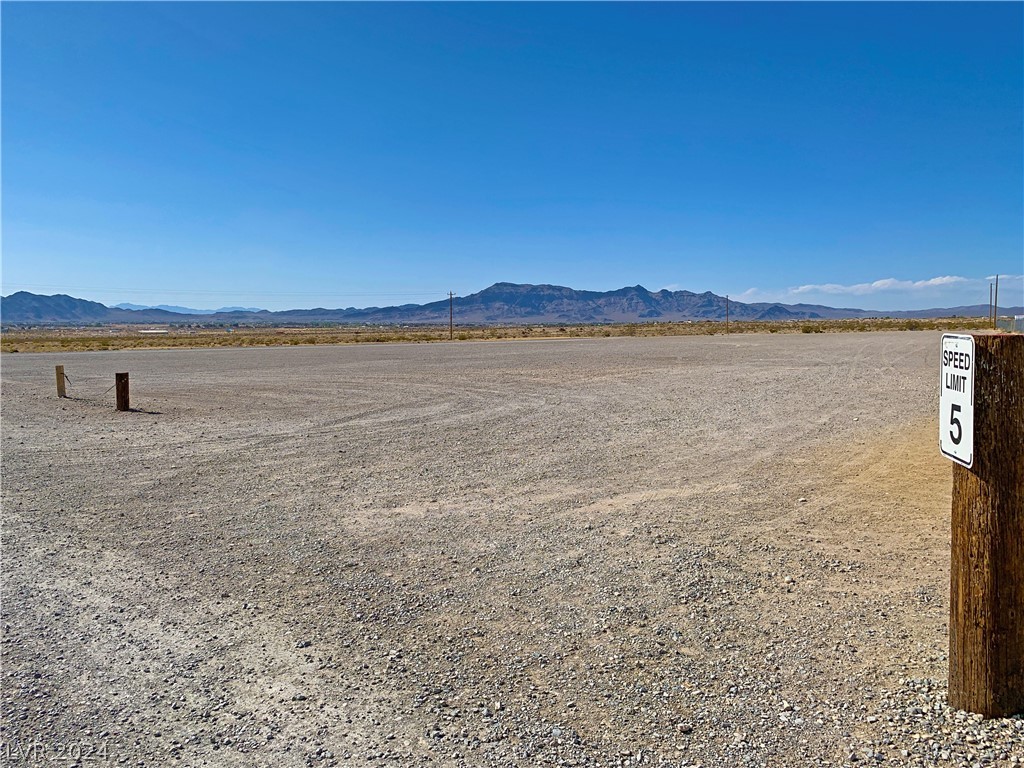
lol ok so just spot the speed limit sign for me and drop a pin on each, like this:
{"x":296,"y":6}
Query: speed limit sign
{"x":956,"y":398}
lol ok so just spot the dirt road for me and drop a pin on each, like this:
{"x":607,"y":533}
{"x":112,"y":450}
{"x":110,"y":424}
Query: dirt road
{"x":664,"y":551}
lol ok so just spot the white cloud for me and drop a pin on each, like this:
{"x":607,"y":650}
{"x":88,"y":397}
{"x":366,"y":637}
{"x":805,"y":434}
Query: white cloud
{"x":944,"y":290}
{"x":878,"y":286}
{"x":754,"y":294}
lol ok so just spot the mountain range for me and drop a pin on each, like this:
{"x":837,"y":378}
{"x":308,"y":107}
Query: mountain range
{"x":185,"y":310}
{"x":500,"y":304}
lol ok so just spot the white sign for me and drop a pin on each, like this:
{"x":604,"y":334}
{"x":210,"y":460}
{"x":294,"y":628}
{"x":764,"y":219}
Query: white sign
{"x":956,"y":398}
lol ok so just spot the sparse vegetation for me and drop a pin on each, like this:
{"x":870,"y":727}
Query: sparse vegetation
{"x":128,"y":337}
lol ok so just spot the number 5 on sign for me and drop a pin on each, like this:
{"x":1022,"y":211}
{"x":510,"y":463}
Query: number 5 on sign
{"x":956,"y":399}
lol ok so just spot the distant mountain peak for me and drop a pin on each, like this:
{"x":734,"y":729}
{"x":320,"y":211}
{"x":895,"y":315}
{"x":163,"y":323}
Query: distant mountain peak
{"x":184,"y":310}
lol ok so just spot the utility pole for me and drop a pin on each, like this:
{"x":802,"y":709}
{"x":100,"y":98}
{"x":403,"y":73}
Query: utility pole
{"x":727,"y":313}
{"x":451,"y":316}
{"x":990,"y":303}
{"x":995,"y":306}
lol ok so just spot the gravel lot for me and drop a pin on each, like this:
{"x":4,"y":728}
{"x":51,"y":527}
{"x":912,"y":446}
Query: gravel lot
{"x":604,"y":552}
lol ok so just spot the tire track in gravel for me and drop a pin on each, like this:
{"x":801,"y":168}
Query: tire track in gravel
{"x":479,"y":555}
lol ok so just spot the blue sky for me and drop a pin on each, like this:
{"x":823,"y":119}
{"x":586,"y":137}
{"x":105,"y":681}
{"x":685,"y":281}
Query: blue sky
{"x":345,"y":154}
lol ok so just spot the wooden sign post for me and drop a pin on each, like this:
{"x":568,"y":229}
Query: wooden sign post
{"x":986,"y":622}
{"x":61,"y":390}
{"x":121,"y":390}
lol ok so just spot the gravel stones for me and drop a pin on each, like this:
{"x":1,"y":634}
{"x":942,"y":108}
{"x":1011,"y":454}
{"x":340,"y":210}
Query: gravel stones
{"x":577,"y":553}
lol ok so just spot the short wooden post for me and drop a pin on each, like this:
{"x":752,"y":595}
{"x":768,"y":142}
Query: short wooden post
{"x":121,"y":389}
{"x":61,"y":390}
{"x":986,"y":623}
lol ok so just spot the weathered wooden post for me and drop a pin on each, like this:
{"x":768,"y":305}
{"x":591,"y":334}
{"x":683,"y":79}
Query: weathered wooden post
{"x":61,"y":390}
{"x":986,"y":624}
{"x":121,"y":390}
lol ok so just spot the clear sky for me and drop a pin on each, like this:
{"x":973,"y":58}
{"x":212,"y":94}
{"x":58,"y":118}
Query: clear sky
{"x":288,"y":155}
